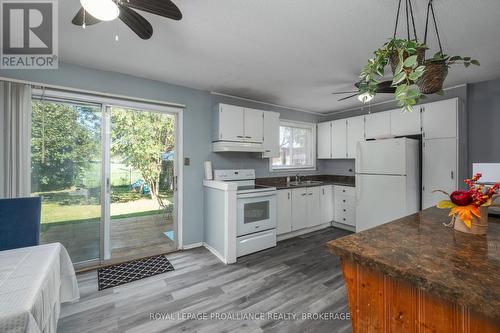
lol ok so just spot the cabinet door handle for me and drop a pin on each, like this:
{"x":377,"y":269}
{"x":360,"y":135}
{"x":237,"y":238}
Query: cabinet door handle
{"x":304,"y":194}
{"x":288,"y":195}
{"x":343,"y":200}
{"x":323,"y":191}
{"x":310,"y":194}
{"x":248,"y":137}
{"x":239,"y":136}
{"x":344,"y":210}
{"x":343,"y":191}
{"x":452,"y":175}
{"x":343,"y":218}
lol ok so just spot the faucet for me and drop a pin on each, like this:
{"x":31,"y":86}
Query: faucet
{"x":297,"y":178}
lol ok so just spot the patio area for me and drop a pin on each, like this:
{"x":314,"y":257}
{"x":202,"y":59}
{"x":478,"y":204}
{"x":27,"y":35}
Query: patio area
{"x":131,"y":237}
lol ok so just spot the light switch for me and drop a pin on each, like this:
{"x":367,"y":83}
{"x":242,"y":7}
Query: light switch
{"x":187,"y":161}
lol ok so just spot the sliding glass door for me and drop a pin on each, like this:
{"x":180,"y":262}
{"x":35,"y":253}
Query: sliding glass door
{"x":66,"y":166}
{"x":107,"y":179}
{"x":141,"y":173}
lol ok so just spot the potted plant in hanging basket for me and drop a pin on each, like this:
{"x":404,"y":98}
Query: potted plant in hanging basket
{"x":436,"y":70}
{"x":469,"y":209}
{"x":405,"y":57}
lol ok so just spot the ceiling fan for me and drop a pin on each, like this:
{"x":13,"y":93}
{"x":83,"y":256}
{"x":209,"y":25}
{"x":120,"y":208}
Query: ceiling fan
{"x":384,"y":87}
{"x":95,"y":11}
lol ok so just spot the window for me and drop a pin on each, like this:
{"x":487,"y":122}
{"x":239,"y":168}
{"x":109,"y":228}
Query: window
{"x":297,"y":147}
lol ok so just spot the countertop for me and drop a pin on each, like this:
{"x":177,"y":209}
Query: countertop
{"x":281,"y":184}
{"x":459,"y":267}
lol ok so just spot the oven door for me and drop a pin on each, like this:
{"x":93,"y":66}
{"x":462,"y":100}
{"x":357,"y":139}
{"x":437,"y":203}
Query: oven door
{"x":256,"y":212}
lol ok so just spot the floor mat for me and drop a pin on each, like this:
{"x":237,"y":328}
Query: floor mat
{"x":115,"y":275}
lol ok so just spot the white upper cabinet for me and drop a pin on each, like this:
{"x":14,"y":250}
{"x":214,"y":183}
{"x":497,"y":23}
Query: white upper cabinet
{"x":355,"y":133}
{"x":378,"y":125}
{"x":229,"y":123}
{"x":254,"y":125}
{"x":235,"y":123}
{"x":271,"y":141}
{"x":439,"y":119}
{"x":339,"y":138}
{"x":405,"y":123}
{"x":324,"y":140}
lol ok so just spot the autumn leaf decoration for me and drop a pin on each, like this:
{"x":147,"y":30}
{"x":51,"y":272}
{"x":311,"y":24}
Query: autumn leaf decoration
{"x":465,"y":204}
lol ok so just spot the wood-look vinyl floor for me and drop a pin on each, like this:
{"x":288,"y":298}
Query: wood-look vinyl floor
{"x":298,"y":276}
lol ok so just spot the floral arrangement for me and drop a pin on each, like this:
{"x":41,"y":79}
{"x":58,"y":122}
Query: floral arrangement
{"x":466,"y":204}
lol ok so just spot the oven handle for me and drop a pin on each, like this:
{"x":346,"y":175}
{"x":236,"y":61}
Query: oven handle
{"x":256,"y":194}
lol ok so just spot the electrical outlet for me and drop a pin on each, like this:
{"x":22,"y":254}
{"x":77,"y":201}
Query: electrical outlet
{"x":187,"y":161}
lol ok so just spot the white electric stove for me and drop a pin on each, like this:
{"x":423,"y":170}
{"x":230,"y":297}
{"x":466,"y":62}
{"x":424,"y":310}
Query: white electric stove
{"x":256,"y":211}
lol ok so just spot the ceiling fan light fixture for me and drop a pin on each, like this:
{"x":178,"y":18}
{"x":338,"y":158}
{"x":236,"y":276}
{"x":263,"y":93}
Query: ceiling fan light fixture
{"x":365,"y":97}
{"x":103,"y":10}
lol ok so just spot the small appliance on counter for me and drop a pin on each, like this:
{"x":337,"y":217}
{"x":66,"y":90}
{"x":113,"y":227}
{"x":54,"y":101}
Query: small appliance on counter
{"x":490,"y":175}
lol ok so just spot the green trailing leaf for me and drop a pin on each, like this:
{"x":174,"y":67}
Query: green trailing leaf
{"x":398,"y":78}
{"x":399,"y":68}
{"x":475,"y":62}
{"x":440,"y":92}
{"x":410,"y":62}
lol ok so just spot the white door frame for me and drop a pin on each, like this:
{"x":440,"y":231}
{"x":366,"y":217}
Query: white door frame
{"x":107,"y":101}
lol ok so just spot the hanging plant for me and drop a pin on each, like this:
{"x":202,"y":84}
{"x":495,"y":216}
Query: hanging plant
{"x":413,"y":76}
{"x":406,"y":58}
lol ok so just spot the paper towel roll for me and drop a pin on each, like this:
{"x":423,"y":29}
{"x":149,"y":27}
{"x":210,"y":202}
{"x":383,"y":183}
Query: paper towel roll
{"x":208,"y":170}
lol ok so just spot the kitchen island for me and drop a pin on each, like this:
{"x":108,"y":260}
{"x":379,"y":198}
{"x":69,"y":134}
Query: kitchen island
{"x":416,"y":275}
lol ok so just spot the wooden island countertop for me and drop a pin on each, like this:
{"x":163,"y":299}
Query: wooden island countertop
{"x":415,"y":274}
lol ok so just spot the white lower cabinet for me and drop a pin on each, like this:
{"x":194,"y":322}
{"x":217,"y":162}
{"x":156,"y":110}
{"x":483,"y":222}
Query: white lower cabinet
{"x":304,"y":207}
{"x":345,"y":205}
{"x":313,"y":206}
{"x":299,"y":208}
{"x":326,"y":203}
{"x":284,"y":207}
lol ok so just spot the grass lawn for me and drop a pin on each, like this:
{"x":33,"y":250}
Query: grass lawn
{"x":60,"y":207}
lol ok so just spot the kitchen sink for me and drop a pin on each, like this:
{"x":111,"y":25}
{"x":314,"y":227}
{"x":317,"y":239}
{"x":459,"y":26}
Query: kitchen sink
{"x":306,"y":183}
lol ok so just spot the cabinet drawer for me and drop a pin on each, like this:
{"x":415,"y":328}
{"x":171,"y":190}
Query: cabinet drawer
{"x":345,"y":214}
{"x":255,"y":242}
{"x":345,"y":191}
{"x":344,"y":200}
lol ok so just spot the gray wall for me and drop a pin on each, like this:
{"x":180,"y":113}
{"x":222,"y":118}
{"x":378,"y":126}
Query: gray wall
{"x":483,"y":111}
{"x":197,"y":122}
{"x":254,"y":160}
{"x":459,"y":91}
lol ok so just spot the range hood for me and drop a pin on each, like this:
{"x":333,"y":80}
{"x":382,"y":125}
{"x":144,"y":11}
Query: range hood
{"x":233,"y":146}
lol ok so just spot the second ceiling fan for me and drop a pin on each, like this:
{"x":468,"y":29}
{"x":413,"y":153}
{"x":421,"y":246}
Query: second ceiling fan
{"x":95,"y":11}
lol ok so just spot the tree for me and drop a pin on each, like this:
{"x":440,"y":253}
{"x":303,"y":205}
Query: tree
{"x":65,"y":138}
{"x":140,"y":138}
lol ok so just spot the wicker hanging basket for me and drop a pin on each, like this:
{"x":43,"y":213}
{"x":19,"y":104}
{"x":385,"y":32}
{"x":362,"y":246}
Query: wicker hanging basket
{"x":394,"y":58}
{"x":433,"y":78}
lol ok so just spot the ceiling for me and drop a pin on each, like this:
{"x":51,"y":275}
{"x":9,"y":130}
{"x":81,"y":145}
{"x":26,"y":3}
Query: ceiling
{"x":286,"y":52}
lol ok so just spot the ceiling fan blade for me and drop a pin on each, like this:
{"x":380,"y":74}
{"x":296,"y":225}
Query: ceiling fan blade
{"x":348,"y":97}
{"x":343,"y":92}
{"x":136,"y":22}
{"x":385,"y":87}
{"x":81,"y":15}
{"x":165,"y":8}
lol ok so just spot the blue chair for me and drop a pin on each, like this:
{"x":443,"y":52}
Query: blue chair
{"x":19,"y":222}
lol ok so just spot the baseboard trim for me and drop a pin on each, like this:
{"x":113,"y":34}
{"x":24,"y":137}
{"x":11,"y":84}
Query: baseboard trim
{"x":301,"y":232}
{"x":215,"y":253}
{"x":343,"y":226}
{"x":192,"y":246}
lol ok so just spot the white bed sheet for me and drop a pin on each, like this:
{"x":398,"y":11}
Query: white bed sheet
{"x":34,"y":281}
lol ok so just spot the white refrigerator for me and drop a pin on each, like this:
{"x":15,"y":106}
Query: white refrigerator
{"x":387,"y":181}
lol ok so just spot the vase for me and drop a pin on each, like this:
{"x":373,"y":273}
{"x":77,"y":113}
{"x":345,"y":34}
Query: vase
{"x":479,"y":225}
